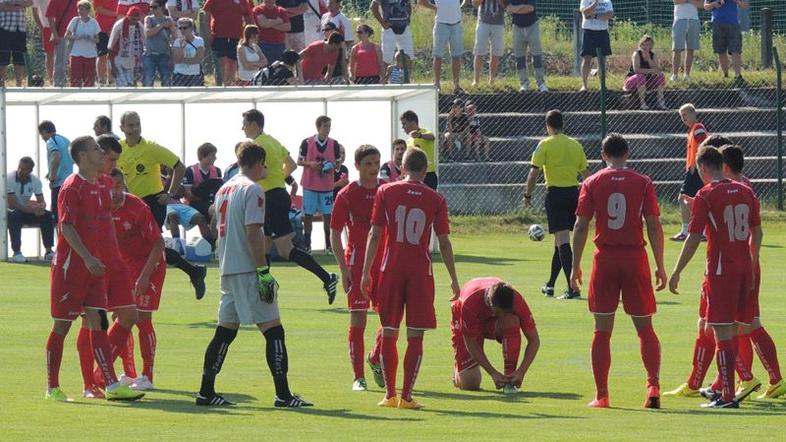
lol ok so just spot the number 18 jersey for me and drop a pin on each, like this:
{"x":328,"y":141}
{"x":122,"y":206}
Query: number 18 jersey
{"x":407,"y":210}
{"x":618,"y":198}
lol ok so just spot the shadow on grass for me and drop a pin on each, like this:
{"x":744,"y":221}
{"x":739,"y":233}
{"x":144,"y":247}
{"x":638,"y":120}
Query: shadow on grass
{"x":188,"y":407}
{"x":232,"y":397}
{"x":480,"y":395}
{"x":668,"y":303}
{"x":772,"y":246}
{"x":332,"y":310}
{"x":551,"y":395}
{"x":492,"y":415}
{"x":346,"y":414}
{"x":488,"y":260}
{"x":746,"y":410}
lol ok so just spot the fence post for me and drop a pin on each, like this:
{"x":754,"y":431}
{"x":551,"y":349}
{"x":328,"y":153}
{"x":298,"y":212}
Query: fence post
{"x":766,"y":37}
{"x":602,"y":76}
{"x":779,"y":122}
{"x":577,"y":41}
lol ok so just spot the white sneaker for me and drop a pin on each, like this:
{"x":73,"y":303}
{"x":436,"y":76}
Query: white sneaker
{"x":142,"y":383}
{"x":524,"y":87}
{"x":125,"y":380}
{"x":543,"y":88}
{"x":673,"y":77}
{"x":19,"y":258}
{"x":687,"y":78}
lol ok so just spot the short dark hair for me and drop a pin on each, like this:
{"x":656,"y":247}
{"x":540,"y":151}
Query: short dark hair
{"x":108,"y":142}
{"x":104,"y":121}
{"x":614,"y":145}
{"x":410,"y":116}
{"x":290,"y":57}
{"x":27,"y":160}
{"x":733,"y":157}
{"x":78,"y":146}
{"x":716,"y":140}
{"x":322,"y":119}
{"x":415,"y":160}
{"x":127,"y":114}
{"x":46,"y":126}
{"x":205,"y":149}
{"x":250,"y":154}
{"x":117,"y":172}
{"x":502,"y":296}
{"x":554,"y":119}
{"x":336,"y":38}
{"x":398,"y":141}
{"x":711,"y":157}
{"x":255,"y":116}
{"x":363,"y":151}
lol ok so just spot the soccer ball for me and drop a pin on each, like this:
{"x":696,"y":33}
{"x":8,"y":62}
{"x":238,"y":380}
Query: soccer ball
{"x":176,"y":244}
{"x":536,"y":232}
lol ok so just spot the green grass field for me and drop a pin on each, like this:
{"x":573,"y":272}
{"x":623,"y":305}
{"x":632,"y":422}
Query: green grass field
{"x":551,"y":406}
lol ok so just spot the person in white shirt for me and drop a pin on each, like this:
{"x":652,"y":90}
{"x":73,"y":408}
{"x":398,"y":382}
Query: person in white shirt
{"x":685,"y":35}
{"x":82,"y":34}
{"x":343,"y":26}
{"x":126,"y":46}
{"x":250,"y":58}
{"x":187,"y":53}
{"x":447,"y":32}
{"x":22,"y":186}
{"x":312,"y":21}
{"x":595,"y":25}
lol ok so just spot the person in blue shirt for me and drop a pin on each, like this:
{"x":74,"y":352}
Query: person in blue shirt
{"x":726,"y":35}
{"x":61,"y":165}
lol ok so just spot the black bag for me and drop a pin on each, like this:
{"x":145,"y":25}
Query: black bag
{"x":397,"y":13}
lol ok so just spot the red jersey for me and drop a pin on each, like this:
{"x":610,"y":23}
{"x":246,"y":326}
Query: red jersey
{"x":79,"y":204}
{"x":136,"y":229}
{"x":728,"y":210}
{"x":696,"y":135}
{"x":618,"y":198}
{"x":271,"y":35}
{"x":227,"y":17}
{"x":408,"y":210}
{"x":475,"y":312}
{"x":315,"y":59}
{"x":352,"y":209}
{"x":110,"y":251}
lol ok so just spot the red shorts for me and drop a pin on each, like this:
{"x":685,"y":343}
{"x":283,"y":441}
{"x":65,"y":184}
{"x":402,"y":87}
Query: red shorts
{"x":412,"y":292}
{"x":46,"y":41}
{"x":463,"y":361}
{"x":621,"y":273}
{"x":752,"y":306}
{"x":73,"y":288}
{"x":355,"y":299}
{"x":151,"y":298}
{"x":727,"y":298}
{"x":119,"y":286}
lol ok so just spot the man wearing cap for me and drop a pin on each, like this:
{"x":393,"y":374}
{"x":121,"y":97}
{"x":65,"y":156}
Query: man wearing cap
{"x":126,"y":44}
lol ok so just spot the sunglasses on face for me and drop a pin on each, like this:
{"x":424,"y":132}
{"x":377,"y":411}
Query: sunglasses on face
{"x":183,"y":28}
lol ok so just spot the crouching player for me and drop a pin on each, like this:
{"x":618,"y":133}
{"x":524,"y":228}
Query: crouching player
{"x":489,"y":308}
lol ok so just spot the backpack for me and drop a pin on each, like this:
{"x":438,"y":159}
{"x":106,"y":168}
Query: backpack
{"x":397,"y":13}
{"x":267,"y":76}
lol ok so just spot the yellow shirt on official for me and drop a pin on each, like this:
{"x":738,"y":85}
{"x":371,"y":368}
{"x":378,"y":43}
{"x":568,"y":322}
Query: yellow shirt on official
{"x":426,"y":146}
{"x":562,"y":159}
{"x":275,"y":154}
{"x":141,"y":165}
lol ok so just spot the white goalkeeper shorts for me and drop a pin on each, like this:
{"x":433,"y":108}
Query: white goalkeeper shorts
{"x":240,"y":303}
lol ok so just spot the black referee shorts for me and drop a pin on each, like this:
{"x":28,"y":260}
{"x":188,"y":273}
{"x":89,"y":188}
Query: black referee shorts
{"x":277,"y":204}
{"x":159,"y":211}
{"x":561,"y":203}
{"x":431,"y":180}
{"x":692,"y":183}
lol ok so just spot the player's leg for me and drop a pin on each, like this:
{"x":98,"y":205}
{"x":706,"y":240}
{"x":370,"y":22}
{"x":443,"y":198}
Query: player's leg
{"x":54,"y":356}
{"x":767,"y":352}
{"x":147,"y":348}
{"x":173,"y":223}
{"x":389,"y":359}
{"x":125,"y":318}
{"x":601,"y":358}
{"x":102,"y":354}
{"x":200,"y":221}
{"x":278,"y":362}
{"x":649,"y":346}
{"x":744,"y":362}
{"x":508,"y":332}
{"x":357,"y":326}
{"x":127,"y":357}
{"x":215,"y":354}
{"x":725,"y":357}
{"x":85,"y":351}
{"x":196,"y":274}
{"x":417,"y":295}
{"x":374,"y":361}
{"x":412,"y":360}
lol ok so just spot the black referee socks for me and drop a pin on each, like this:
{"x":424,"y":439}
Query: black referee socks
{"x":308,"y":262}
{"x":566,"y":256}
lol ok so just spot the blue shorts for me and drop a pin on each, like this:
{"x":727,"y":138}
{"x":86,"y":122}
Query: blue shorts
{"x":314,"y":202}
{"x":184,"y":213}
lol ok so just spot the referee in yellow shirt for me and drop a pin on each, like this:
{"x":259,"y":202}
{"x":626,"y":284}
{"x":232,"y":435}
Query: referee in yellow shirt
{"x":562,"y":160}
{"x":423,"y":139}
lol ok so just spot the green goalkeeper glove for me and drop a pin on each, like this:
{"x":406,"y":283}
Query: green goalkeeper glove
{"x":266,"y":285}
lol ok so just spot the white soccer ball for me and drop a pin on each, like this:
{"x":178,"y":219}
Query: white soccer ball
{"x":536,"y":232}
{"x":198,"y":249}
{"x":176,"y":244}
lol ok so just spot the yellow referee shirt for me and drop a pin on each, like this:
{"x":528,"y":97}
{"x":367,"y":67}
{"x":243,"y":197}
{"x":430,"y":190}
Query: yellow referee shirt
{"x":562,"y":159}
{"x":275,"y":154}
{"x":425,"y":146}
{"x":141,"y":165}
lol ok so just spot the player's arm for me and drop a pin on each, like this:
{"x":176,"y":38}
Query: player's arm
{"x":446,"y":250}
{"x":427,"y":137}
{"x":178,"y":172}
{"x":153,"y":258}
{"x":54,"y":165}
{"x":72,"y":237}
{"x":686,"y":254}
{"x":289,"y":166}
{"x":532,"y":179}
{"x":479,"y":356}
{"x":371,"y":249}
{"x":533,"y":345}
{"x":255,"y":237}
{"x":655,"y":235}
{"x":580,"y":233}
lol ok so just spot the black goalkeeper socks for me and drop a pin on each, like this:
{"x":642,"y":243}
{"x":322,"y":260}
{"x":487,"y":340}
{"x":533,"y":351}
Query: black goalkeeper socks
{"x":556,"y":266}
{"x":215,"y":354}
{"x":278,"y":360}
{"x":308,"y":262}
{"x":566,"y":256}
{"x":174,"y":259}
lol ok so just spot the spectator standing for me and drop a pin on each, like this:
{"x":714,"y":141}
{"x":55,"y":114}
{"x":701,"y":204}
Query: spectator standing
{"x":188,"y":51}
{"x":645,"y":73}
{"x":489,"y":36}
{"x":106,"y":16}
{"x":319,"y":58}
{"x":123,"y":6}
{"x":39,"y":16}
{"x":295,"y":39}
{"x":227,"y":19}
{"x":312,"y":21}
{"x":692,"y":181}
{"x":59,"y":13}
{"x":13,"y":38}
{"x":394,"y":17}
{"x":160,"y":30}
{"x":343,"y":25}
{"x":365,"y":59}
{"x":595,"y":34}
{"x":201,"y":180}
{"x":273,"y":23}
{"x":526,"y":34}
{"x":423,"y":139}
{"x":182,"y":8}
{"x":82,"y":34}
{"x":22,"y":186}
{"x":59,"y":158}
{"x":685,"y":35}
{"x":391,"y":171}
{"x":726,"y":34}
{"x":281,"y":72}
{"x":126,"y":46}
{"x":250,"y":58}
{"x":447,"y":33}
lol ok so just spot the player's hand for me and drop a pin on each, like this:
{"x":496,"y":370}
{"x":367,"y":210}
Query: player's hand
{"x":95,"y":266}
{"x":415,"y":134}
{"x":575,"y":278}
{"x":266,"y":285}
{"x":346,"y":281}
{"x":456,"y":289}
{"x":142,"y":284}
{"x":499,"y":379}
{"x":674,"y":282}
{"x":660,"y":279}
{"x":517,"y":378}
{"x":316,"y":166}
{"x":687,"y":200}
{"x":366,"y":285}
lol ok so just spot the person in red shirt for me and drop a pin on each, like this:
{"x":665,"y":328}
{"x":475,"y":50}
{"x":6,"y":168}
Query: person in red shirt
{"x":78,"y":281}
{"x":352,"y":209}
{"x":106,"y":16}
{"x":407,"y":211}
{"x":319,"y":58}
{"x":490,"y":308}
{"x":273,"y":22}
{"x":697,"y":133}
{"x":618,"y":198}
{"x":227,"y":19}
{"x":728,"y":213}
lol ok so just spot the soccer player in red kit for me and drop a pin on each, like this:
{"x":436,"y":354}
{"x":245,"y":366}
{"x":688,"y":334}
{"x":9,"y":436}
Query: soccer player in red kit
{"x":619,"y":198}
{"x":490,"y":308}
{"x":729,"y":214}
{"x":352,"y":209}
{"x":407,"y":210}
{"x":78,"y":275}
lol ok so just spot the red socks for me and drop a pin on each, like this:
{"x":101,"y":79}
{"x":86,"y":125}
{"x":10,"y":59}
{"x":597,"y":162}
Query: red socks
{"x":767,"y":352}
{"x":374,"y":357}
{"x":356,"y":350}
{"x":389,"y":359}
{"x":85,"y":351}
{"x":412,"y":360}
{"x":127,"y":356}
{"x":118,"y":338}
{"x":744,"y":359}
{"x":703,"y":352}
{"x":54,"y":355}
{"x":100,"y":342}
{"x":601,"y":362}
{"x":725,"y":357}
{"x":650,"y":355}
{"x":511,"y":347}
{"x":147,"y":347}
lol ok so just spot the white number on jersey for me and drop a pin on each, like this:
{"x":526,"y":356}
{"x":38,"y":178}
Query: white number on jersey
{"x":736,"y":219}
{"x":616,"y":208}
{"x":410,"y":224}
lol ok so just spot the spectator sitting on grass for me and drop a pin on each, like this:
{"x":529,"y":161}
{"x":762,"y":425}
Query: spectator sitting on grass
{"x":645,"y":74}
{"x":685,"y":35}
{"x":726,"y":35}
{"x":476,"y":142}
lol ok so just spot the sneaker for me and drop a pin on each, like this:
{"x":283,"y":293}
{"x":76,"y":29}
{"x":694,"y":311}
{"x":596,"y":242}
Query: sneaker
{"x":547,"y":290}
{"x":142,"y":383}
{"x":330,"y":288}
{"x":653,"y":398}
{"x":510,"y":389}
{"x":57,"y":395}
{"x":379,"y":377}
{"x":570,"y":294}
{"x":390,"y":402}
{"x":602,"y":402}
{"x":710,"y":394}
{"x":292,"y":402}
{"x":198,"y":281}
{"x":679,"y":237}
{"x":543,"y":88}
{"x":746,"y":388}
{"x":123,"y":392}
{"x":673,"y":77}
{"x":49,"y":256}
{"x":359,"y":385}
{"x":774,"y":390}
{"x":126,"y":380}
{"x":720,"y":403}
{"x":409,"y":404}
{"x":215,"y":400}
{"x":683,"y":391}
{"x":19,"y":258}
{"x":687,"y":78}
{"x":524,"y":87}
{"x":93,"y":392}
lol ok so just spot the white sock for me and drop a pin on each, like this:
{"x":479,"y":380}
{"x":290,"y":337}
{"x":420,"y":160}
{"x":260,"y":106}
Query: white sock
{"x":684,"y":228}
